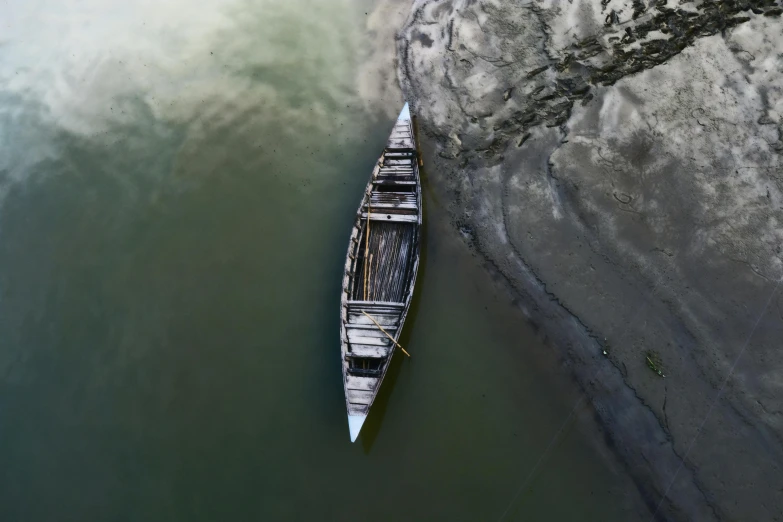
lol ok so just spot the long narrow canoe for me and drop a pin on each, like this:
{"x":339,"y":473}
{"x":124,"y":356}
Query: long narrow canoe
{"x":380,"y":271}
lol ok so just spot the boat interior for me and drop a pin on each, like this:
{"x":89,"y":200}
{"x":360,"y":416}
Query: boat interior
{"x":384,"y":254}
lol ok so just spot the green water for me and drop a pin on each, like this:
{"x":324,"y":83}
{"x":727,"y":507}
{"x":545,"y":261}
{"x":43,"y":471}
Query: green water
{"x":177,"y":185}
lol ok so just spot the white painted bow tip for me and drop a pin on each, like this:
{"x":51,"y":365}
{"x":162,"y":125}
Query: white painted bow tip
{"x":405,"y":115}
{"x":355,"y":423}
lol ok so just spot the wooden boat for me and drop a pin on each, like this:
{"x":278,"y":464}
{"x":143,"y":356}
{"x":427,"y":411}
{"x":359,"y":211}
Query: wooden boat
{"x":380,"y":271}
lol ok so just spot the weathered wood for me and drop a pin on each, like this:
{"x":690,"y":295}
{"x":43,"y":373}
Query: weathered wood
{"x":356,"y":335}
{"x":360,"y":396}
{"x":370,"y":304}
{"x":390,"y":201}
{"x":393,"y":182}
{"x":360,"y":383}
{"x":383,"y":207}
{"x":355,"y":339}
{"x":399,"y":174}
{"x":366,"y":329}
{"x":393,"y":196}
{"x":370,"y":350}
{"x":387,"y":334}
{"x":386,"y":319}
{"x":380,"y":268}
{"x":391,"y":169}
{"x":392,"y":314}
{"x":381,"y":309}
{"x":398,"y":164}
{"x":393,"y":218}
{"x":367,"y":249}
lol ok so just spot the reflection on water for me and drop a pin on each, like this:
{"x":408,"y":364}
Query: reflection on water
{"x":90,"y":62}
{"x":177,"y":183}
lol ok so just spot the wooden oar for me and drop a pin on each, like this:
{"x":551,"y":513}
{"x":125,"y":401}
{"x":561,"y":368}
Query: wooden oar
{"x":368,"y":281}
{"x":387,"y":333}
{"x":367,"y":243}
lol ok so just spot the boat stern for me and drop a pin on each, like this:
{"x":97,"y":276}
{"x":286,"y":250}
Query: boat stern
{"x":355,"y":423}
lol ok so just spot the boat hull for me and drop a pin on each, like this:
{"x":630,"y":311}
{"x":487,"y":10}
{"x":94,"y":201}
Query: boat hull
{"x":380,"y":271}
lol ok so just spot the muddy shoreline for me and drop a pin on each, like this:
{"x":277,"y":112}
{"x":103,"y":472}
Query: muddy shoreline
{"x":629,"y":429}
{"x":618,"y":166}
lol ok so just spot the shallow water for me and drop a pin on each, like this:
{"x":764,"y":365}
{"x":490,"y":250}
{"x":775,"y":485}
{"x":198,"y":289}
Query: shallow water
{"x":177,"y":187}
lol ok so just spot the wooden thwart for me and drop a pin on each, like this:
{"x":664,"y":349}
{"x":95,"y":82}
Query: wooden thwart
{"x":369,"y":350}
{"x":367,"y":327}
{"x":392,"y":217}
{"x":384,"y":318}
{"x":382,"y":304}
{"x":394,"y":182}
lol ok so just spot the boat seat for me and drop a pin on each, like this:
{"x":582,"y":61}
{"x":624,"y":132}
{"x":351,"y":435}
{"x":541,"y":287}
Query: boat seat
{"x":371,"y":304}
{"x":359,"y":397}
{"x":396,"y":176}
{"x":363,"y":350}
{"x":374,"y":305}
{"x":393,"y":200}
{"x":392,"y":170}
{"x":396,"y":170}
{"x":392,"y":182}
{"x":389,"y":319}
{"x":369,"y":330}
{"x":396,"y":161}
{"x":392,"y":217}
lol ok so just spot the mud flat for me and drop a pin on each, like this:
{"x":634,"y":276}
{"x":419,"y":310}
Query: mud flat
{"x":618,"y":163}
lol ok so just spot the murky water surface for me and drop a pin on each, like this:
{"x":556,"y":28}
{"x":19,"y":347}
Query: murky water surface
{"x":177,"y":185}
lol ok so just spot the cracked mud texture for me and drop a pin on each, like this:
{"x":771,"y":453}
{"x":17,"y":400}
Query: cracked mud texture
{"x":618,"y":163}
